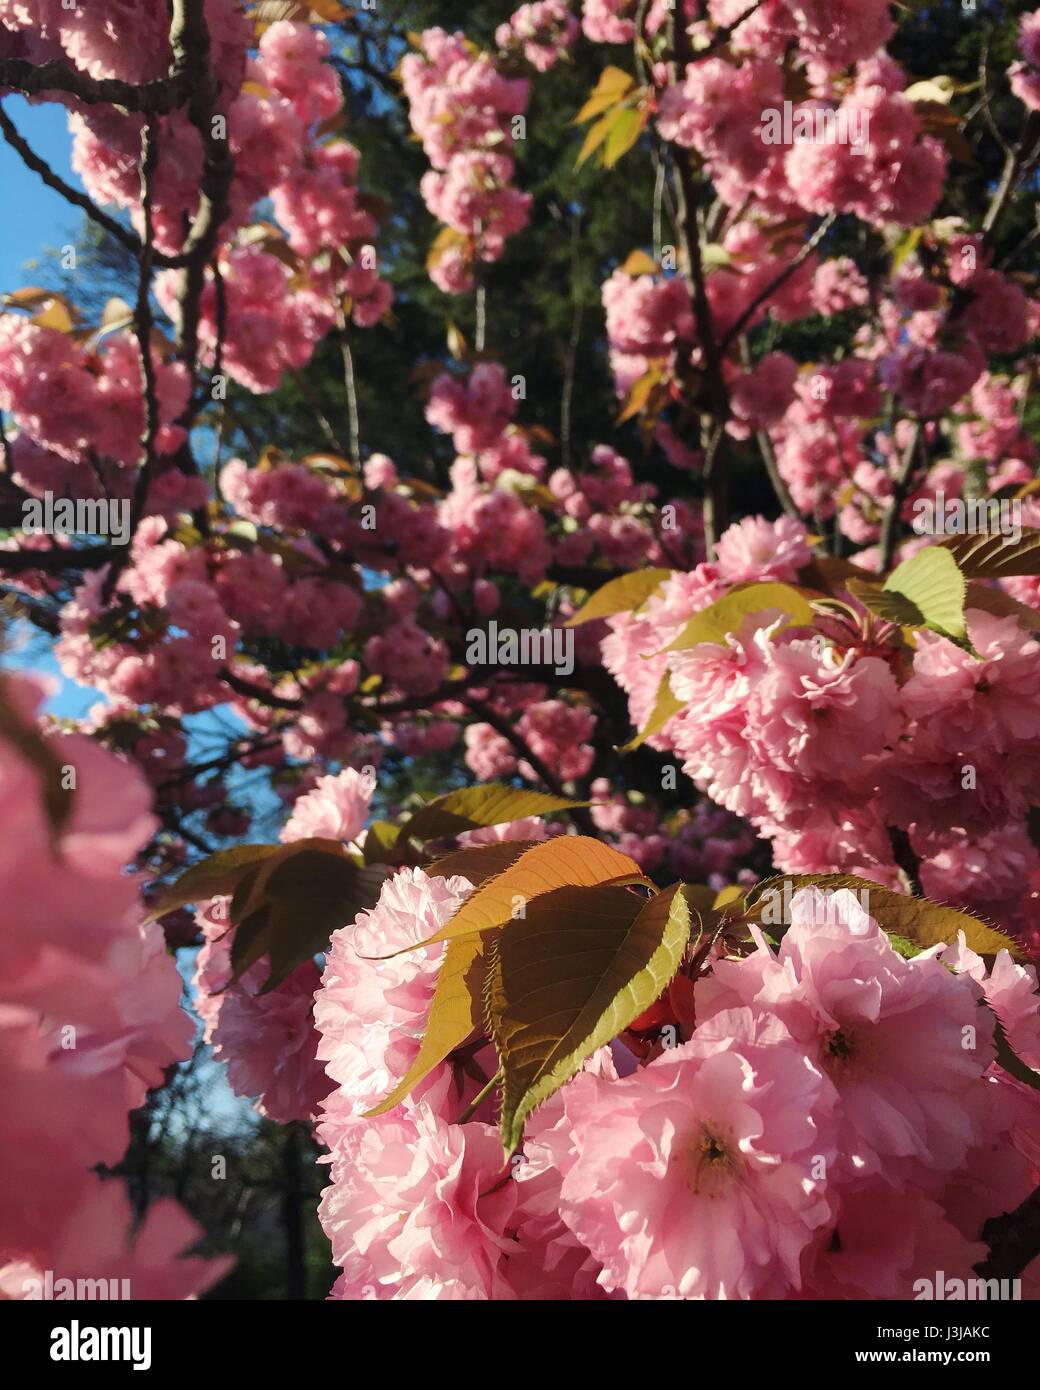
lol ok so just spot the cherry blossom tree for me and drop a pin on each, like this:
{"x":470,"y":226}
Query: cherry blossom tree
{"x":707,"y":967}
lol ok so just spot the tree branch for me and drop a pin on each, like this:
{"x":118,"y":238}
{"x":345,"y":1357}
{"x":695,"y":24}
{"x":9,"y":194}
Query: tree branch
{"x":156,"y":98}
{"x":1013,"y":1239}
{"x":143,"y":333}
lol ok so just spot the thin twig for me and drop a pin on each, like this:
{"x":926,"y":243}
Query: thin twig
{"x":571,"y":355}
{"x":350,"y":385}
{"x":189,"y":40}
{"x":480,"y":332}
{"x":890,"y":522}
{"x":767,"y":293}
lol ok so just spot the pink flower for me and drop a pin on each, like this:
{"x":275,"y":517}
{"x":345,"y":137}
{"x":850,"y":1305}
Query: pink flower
{"x":756,"y":550}
{"x":476,"y":412}
{"x":1025,"y":76}
{"x":336,"y":809}
{"x":372,"y":1004}
{"x":901,"y":1041}
{"x":693,"y":1177}
{"x":886,"y":1239}
{"x":608,"y":21}
{"x":267,"y":1039}
{"x":414,"y":1209}
{"x":761,"y":396}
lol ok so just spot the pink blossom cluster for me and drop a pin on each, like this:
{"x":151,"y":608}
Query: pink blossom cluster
{"x":609,"y":21}
{"x":70,"y":400}
{"x":933,"y":359}
{"x":267,"y":1039}
{"x":869,"y":157}
{"x":649,"y":319}
{"x":463,"y":108}
{"x":707,"y":846}
{"x":824,"y":737}
{"x":274,"y":125}
{"x":271,"y":326}
{"x":542,"y":32}
{"x":91,"y":1018}
{"x":822,"y":1124}
{"x":830,"y":34}
{"x":820,"y":438}
{"x":555,"y":732}
{"x":125,"y":39}
{"x":192,"y":605}
{"x":633,"y":651}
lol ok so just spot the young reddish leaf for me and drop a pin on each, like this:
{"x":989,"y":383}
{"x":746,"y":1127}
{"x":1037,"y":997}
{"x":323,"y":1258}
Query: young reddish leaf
{"x":296,"y":903}
{"x":639,"y":263}
{"x":380,"y":842}
{"x":996,"y":556}
{"x":1001,"y":605}
{"x":641,"y":393}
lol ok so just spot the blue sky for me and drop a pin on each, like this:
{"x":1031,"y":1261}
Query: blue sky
{"x":36,"y":215}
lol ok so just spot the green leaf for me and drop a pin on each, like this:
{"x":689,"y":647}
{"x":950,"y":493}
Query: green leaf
{"x":620,"y":595}
{"x":214,"y":877}
{"x":666,"y":706}
{"x":902,"y":947}
{"x":890,"y":607}
{"x":573,"y":974}
{"x":473,"y":808}
{"x":905,"y":246}
{"x":297,"y":899}
{"x":932,"y":583}
{"x":456,"y":1011}
{"x":715,"y":257}
{"x":917,"y":920}
{"x":720,"y":619}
